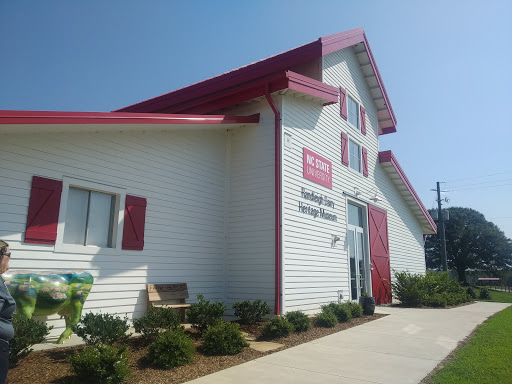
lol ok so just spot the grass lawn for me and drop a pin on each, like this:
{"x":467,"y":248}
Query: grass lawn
{"x":498,"y":296}
{"x":486,"y":358}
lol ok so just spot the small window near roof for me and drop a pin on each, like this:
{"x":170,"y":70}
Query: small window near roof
{"x":354,"y":151}
{"x":353,"y":112}
{"x":89,"y":218}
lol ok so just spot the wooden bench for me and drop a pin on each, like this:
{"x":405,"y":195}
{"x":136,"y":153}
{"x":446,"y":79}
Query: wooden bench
{"x":171,"y":295}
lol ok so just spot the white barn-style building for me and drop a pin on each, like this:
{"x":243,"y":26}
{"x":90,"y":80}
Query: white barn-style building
{"x":266,"y":182}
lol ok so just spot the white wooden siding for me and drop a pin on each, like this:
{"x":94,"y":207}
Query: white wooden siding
{"x":314,"y":271}
{"x":251,"y":265}
{"x":180,"y":174}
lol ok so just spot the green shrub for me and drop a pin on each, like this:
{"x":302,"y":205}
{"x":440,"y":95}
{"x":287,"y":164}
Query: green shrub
{"x":251,"y":312}
{"x":300,"y":321}
{"x":342,"y":311}
{"x":429,"y":289}
{"x":171,"y":349}
{"x":203,"y":314}
{"x":484,"y":294}
{"x":471,"y":292}
{"x":223,"y":338}
{"x":155,"y":321}
{"x":102,"y":328}
{"x":101,"y":363}
{"x":326,"y":319}
{"x":356,"y":309}
{"x":27,"y":332}
{"x":437,"y":300}
{"x":276,"y":327}
{"x":407,"y":288}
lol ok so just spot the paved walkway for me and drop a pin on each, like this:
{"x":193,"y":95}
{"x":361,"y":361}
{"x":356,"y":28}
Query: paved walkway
{"x":401,"y":348}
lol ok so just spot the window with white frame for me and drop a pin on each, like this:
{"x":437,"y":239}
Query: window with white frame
{"x":353,"y":112}
{"x":90,"y":218}
{"x":354,"y":156}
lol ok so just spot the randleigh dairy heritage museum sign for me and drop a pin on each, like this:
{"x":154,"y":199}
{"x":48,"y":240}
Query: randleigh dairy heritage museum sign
{"x":316,"y":211}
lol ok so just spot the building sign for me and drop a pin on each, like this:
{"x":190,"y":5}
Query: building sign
{"x":316,"y":168}
{"x":316,"y":210}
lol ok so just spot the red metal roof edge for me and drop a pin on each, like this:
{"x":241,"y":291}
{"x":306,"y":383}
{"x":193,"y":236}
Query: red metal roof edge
{"x":388,"y":157}
{"x":264,"y":67}
{"x":60,"y":117}
{"x":246,"y":73}
{"x":251,"y":90}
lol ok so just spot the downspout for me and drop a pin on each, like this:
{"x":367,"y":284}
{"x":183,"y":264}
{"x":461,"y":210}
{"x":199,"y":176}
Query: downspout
{"x":277,"y":198}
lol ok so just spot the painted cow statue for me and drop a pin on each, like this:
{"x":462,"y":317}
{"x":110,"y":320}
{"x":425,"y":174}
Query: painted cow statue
{"x":46,"y":293}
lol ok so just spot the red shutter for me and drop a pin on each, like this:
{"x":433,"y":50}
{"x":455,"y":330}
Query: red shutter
{"x":343,"y":103}
{"x":43,"y":211}
{"x":363,"y":120}
{"x":344,"y":148}
{"x":134,"y":220}
{"x":379,"y":254}
{"x":364,"y":155}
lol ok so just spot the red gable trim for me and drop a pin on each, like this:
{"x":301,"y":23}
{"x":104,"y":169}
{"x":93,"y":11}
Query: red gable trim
{"x":172,"y":102}
{"x":388,"y":157}
{"x":46,"y":117}
{"x":382,"y":88}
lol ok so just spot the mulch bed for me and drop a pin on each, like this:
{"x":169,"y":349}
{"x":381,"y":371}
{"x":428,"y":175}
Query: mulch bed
{"x":51,"y":366}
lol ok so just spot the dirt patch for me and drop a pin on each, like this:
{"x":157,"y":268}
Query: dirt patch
{"x":51,"y":366}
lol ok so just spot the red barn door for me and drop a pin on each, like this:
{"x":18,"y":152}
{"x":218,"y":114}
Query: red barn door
{"x":379,"y":254}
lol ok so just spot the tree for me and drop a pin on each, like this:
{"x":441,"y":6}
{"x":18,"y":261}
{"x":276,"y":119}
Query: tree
{"x":472,"y":243}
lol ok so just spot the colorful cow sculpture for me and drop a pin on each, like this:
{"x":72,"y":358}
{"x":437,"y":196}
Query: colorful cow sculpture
{"x":46,"y":293}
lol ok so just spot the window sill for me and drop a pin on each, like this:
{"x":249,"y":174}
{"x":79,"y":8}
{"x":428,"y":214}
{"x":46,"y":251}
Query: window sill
{"x":354,"y":171}
{"x":86,"y":249}
{"x":353,"y":126}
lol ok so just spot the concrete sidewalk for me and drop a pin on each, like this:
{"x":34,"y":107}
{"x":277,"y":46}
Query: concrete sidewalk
{"x":401,"y":348}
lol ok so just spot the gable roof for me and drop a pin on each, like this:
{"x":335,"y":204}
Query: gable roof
{"x":200,"y":97}
{"x":404,"y":186}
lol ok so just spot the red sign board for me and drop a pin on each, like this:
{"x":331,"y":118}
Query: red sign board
{"x":316,"y":168}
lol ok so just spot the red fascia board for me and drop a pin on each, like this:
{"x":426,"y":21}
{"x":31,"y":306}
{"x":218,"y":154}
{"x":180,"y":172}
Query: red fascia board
{"x":337,"y":41}
{"x":228,"y":97}
{"x":387,"y":130}
{"x":284,"y":80}
{"x":49,"y":117}
{"x":388,"y":157}
{"x":312,"y":87}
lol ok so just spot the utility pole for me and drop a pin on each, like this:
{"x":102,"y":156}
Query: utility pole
{"x":441,"y":228}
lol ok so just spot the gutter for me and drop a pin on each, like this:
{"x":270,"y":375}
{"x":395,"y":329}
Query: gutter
{"x":277,"y":197}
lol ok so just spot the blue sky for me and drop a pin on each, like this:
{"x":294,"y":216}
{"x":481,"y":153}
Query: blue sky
{"x":445,"y":65}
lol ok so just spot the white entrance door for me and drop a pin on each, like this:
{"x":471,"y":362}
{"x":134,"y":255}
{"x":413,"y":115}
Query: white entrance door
{"x":358,"y":257}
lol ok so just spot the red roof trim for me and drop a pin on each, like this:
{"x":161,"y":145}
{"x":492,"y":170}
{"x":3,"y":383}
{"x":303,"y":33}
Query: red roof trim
{"x":251,"y":90}
{"x":337,"y":41}
{"x":249,"y":73}
{"x":388,"y":157}
{"x":312,"y":87}
{"x":236,"y":77}
{"x":48,"y":117}
{"x":382,"y":88}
